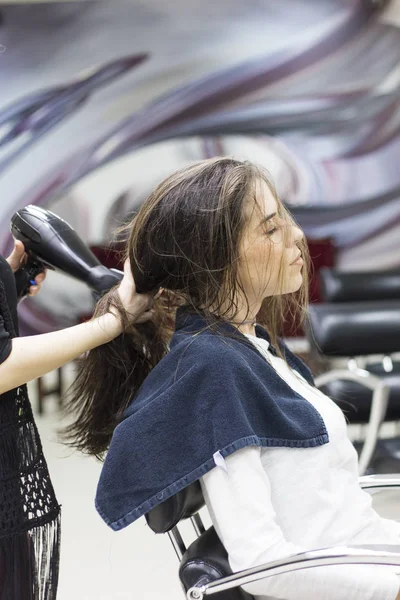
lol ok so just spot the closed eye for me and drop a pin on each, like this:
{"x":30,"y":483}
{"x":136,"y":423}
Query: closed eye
{"x":271,"y":231}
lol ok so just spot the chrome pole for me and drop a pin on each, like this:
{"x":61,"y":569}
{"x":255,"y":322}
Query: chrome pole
{"x":314,"y":558}
{"x":198,"y":524}
{"x":177,"y":542}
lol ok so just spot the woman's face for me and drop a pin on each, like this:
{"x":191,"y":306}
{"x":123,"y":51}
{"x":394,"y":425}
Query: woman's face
{"x":270,"y":261}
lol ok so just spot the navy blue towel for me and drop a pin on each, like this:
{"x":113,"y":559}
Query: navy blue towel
{"x":212,"y":393}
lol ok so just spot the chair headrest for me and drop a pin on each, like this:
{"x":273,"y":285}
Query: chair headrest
{"x":337,"y":286}
{"x":183,"y":505}
{"x":355,"y":328}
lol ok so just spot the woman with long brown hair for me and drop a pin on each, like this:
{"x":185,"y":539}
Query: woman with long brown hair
{"x":206,"y":390}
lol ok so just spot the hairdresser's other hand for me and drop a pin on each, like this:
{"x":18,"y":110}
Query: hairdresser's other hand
{"x":139,"y":306}
{"x":17,"y":259}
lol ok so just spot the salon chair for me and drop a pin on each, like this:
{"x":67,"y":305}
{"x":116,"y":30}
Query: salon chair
{"x":338,"y":286}
{"x":367,"y":392}
{"x":204,"y":568}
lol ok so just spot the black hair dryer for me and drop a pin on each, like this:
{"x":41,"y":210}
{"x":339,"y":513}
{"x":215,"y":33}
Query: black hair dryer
{"x":51,"y":242}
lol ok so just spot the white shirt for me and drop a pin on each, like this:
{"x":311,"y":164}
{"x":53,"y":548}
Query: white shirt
{"x":272,"y":502}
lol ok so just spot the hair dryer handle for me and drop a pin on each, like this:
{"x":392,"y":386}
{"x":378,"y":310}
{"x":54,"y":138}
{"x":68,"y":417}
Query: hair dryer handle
{"x":25,"y":276}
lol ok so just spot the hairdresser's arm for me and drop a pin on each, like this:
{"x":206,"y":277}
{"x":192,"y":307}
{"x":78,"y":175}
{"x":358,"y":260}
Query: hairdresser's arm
{"x":36,"y":355}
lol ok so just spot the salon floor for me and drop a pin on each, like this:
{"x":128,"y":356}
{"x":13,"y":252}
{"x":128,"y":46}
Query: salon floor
{"x":97,"y":563}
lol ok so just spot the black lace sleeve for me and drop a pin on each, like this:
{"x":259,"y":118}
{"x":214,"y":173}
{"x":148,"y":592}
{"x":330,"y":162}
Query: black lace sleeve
{"x":5,"y":342}
{"x":29,"y":511}
{"x":8,"y":280}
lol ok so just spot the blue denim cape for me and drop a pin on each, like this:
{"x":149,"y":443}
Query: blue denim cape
{"x":210,"y":393}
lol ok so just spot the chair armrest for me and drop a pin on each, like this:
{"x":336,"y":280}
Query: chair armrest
{"x":380,"y":397}
{"x":379,"y":481}
{"x":342,"y":555}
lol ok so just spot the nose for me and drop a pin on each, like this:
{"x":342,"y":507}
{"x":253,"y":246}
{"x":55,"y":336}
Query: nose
{"x":296,"y":235}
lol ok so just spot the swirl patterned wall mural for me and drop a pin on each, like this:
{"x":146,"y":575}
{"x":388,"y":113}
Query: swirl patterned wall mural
{"x":100,"y":101}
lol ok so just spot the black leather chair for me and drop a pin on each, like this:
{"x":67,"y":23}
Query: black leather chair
{"x":358,"y":330}
{"x":204,"y":568}
{"x":206,"y":559}
{"x":341,"y":286}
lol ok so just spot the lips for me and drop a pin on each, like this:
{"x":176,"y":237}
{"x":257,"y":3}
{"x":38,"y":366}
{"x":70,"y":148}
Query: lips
{"x":297,"y":261}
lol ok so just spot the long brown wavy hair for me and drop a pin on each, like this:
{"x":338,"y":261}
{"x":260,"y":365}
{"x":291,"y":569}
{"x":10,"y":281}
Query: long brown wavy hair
{"x":185,"y":239}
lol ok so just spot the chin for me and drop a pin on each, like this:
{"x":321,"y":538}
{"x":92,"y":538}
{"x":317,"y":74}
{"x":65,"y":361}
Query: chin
{"x":294,"y":285}
{"x":289,"y":287}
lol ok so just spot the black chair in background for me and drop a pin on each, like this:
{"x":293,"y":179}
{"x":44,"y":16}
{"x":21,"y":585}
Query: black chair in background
{"x":341,"y":286}
{"x":367,"y":392}
{"x":204,"y":568}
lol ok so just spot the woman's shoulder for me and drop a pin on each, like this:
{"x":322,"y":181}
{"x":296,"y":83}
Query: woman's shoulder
{"x":194,"y":362}
{"x":213,"y":351}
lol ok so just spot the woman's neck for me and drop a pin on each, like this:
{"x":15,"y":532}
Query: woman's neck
{"x":245,"y":318}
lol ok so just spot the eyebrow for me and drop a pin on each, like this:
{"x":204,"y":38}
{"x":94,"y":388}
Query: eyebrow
{"x":267,"y":218}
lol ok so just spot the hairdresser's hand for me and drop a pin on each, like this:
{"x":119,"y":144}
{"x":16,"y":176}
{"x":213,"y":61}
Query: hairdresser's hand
{"x":17,"y":259}
{"x":137,"y":305}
